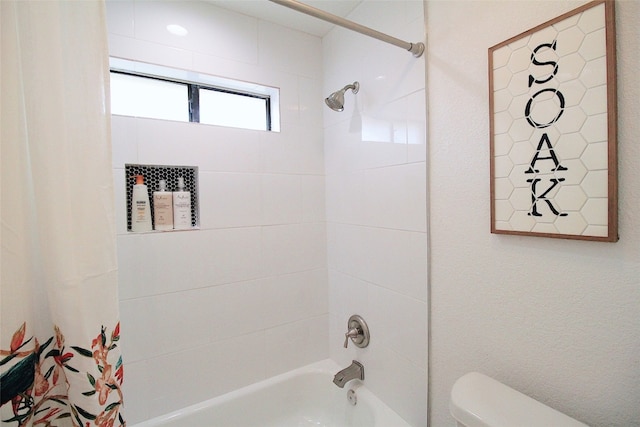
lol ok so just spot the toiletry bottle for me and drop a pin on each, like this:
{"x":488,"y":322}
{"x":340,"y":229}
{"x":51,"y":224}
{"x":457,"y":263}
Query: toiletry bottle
{"x":140,"y":207}
{"x":162,"y":207}
{"x":181,"y":207}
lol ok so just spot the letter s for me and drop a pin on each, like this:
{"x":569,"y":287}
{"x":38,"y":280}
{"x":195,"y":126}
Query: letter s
{"x":535,"y":61}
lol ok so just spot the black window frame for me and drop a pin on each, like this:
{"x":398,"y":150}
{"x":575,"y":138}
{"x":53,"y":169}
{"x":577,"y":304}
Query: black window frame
{"x":193,"y":94}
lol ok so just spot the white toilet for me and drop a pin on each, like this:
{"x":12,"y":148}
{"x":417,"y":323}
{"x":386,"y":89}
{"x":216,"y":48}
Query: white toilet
{"x":480,"y":401}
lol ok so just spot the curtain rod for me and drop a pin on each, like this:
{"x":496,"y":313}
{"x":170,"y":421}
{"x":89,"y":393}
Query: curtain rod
{"x":415,"y":48}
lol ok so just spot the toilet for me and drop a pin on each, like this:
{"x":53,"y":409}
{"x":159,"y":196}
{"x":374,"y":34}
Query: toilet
{"x":480,"y":401}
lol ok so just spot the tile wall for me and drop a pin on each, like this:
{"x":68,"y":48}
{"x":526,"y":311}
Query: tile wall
{"x":375,"y":162}
{"x":207,"y":311}
{"x":245,"y":297}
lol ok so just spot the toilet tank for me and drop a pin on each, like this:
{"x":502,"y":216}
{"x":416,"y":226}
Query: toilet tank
{"x":480,"y":401}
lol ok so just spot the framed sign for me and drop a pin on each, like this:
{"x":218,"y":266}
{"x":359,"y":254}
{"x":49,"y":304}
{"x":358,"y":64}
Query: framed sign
{"x":552,"y":94}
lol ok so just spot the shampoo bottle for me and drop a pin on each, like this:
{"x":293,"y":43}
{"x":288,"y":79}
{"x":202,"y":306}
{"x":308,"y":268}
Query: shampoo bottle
{"x":181,"y":207}
{"x":162,"y":207}
{"x":140,"y":208}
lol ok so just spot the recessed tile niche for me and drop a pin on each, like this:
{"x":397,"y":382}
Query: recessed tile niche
{"x":152,"y":176}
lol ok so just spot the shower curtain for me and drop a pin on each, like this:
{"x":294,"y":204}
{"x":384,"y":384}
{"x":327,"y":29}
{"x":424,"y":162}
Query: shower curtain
{"x":60,"y":362}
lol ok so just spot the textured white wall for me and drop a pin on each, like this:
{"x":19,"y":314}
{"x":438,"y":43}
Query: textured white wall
{"x":558,"y":320}
{"x":375,"y":155}
{"x":245,"y":297}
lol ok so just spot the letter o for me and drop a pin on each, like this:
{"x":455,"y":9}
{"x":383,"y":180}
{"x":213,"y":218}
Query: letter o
{"x":527,"y":110}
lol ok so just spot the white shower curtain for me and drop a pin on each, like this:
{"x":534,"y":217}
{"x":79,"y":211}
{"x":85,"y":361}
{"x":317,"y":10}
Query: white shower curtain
{"x":60,"y":362}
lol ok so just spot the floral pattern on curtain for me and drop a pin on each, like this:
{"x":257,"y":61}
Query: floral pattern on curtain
{"x":60,"y":362}
{"x":36,"y":385}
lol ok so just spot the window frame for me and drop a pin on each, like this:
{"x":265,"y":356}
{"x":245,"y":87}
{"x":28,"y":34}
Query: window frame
{"x":196,"y":81}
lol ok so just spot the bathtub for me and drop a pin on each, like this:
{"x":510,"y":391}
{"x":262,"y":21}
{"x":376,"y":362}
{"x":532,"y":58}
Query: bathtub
{"x":302,"y":397}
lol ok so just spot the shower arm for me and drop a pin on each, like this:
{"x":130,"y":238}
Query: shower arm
{"x":415,"y":48}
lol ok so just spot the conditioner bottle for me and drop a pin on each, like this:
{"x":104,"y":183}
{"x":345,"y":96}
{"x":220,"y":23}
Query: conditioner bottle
{"x":140,"y":208}
{"x":163,"y":207}
{"x":181,"y":207}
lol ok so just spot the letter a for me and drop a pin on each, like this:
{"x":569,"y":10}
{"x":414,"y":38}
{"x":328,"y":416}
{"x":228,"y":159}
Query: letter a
{"x":552,"y":156}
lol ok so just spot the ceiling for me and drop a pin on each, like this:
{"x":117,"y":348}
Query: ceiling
{"x":284,"y":16}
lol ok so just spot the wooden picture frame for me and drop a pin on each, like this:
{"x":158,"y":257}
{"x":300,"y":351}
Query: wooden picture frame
{"x":552,"y":96}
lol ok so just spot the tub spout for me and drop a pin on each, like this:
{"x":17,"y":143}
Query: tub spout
{"x":352,"y":372}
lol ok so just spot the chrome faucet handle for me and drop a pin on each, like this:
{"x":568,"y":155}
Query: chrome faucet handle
{"x":358,"y":331}
{"x":353,"y":333}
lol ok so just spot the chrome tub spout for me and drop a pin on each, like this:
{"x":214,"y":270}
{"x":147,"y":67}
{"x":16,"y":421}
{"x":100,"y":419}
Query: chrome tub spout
{"x":352,"y":372}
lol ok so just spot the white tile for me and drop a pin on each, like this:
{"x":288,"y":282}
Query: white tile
{"x":595,"y":211}
{"x":504,"y":208}
{"x":384,"y":135}
{"x":211,"y":148}
{"x":399,"y":323}
{"x":153,"y":53}
{"x":395,"y":197}
{"x":397,"y":260}
{"x":398,"y":383}
{"x":572,"y":224}
{"x":295,"y":149}
{"x":310,"y":101}
{"x":238,"y":362}
{"x":595,"y":101}
{"x":181,"y":320}
{"x":593,"y":74}
{"x":416,"y":127}
{"x":232,"y":255}
{"x":592,"y":19}
{"x":136,"y":388}
{"x":596,"y":230}
{"x":205,"y":371}
{"x":503,"y":188}
{"x":211,"y":30}
{"x":199,"y":316}
{"x":342,"y":148}
{"x":347,"y":249}
{"x":570,"y":198}
{"x":156,"y":263}
{"x":228,"y":68}
{"x":290,"y":101}
{"x":227,"y":149}
{"x":289,"y":50}
{"x":296,"y":344}
{"x":345,"y":197}
{"x":571,"y":121}
{"x":347,"y":296}
{"x":313,"y":198}
{"x":292,"y":248}
{"x":281,"y":197}
{"x":137,"y":320}
{"x":595,"y":184}
{"x":595,"y":128}
{"x":293,"y":297}
{"x":229,"y":199}
{"x":123,"y":141}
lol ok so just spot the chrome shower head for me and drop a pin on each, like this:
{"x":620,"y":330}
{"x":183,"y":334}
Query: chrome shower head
{"x":335,"y":101}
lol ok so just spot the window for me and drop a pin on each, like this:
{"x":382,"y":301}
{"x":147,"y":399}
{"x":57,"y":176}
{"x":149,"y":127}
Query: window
{"x":143,"y":90}
{"x":233,"y":109}
{"x":138,"y":96}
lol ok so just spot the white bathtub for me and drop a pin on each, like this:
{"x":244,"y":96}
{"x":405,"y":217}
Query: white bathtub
{"x":303,"y":397}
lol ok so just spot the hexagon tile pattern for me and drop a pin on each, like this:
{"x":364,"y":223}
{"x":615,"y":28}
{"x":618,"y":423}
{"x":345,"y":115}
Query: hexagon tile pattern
{"x":550,"y":129}
{"x":152,"y":176}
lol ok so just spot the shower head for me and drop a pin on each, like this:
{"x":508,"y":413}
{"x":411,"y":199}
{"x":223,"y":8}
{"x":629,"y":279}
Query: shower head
{"x":335,"y":101}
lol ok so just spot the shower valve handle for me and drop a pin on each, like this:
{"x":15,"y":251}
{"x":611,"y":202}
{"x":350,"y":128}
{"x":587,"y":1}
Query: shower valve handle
{"x":353,"y":333}
{"x":358,"y":331}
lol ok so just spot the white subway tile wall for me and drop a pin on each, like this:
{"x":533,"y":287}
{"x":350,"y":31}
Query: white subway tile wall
{"x":299,"y":229}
